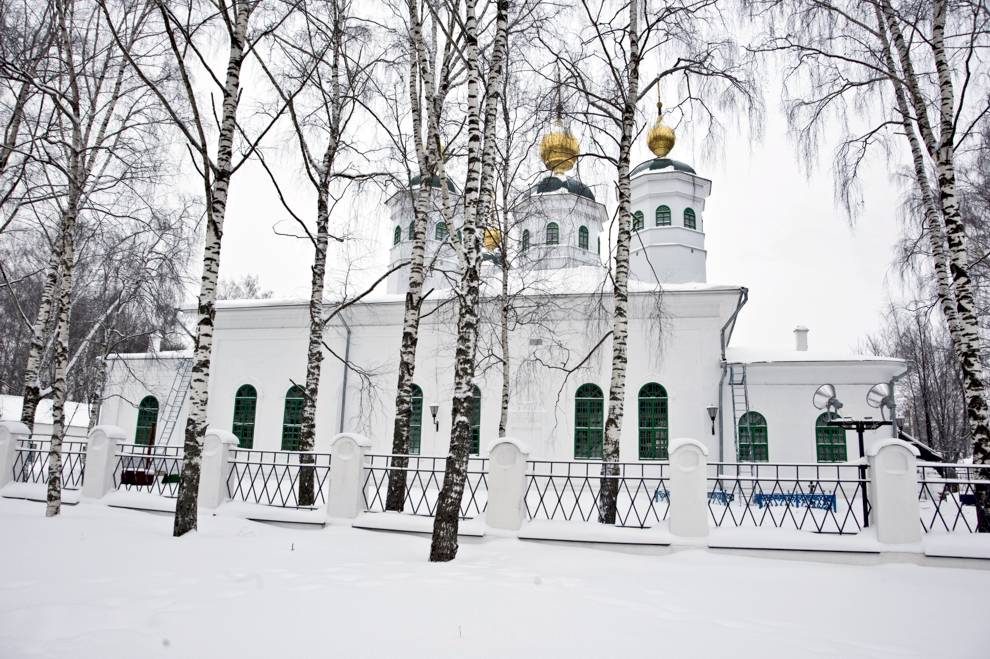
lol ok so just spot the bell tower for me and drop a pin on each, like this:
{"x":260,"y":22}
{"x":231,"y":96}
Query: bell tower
{"x":668,"y":202}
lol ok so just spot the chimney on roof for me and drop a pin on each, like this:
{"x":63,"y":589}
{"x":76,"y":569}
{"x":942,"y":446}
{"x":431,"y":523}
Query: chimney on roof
{"x":801,"y":338}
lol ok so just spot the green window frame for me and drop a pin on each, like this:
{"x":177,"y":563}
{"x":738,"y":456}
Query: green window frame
{"x":147,"y":421}
{"x":663,"y":215}
{"x":295,"y":398}
{"x":441,"y":232}
{"x":654,"y":429}
{"x":410,"y":231}
{"x":525,"y":240}
{"x":583,"y":237}
{"x":476,"y":421}
{"x":638,"y":221}
{"x":753,"y":438}
{"x":553,"y":234}
{"x":690,"y":221}
{"x":245,"y":406}
{"x":397,"y":235}
{"x":589,"y":427}
{"x":415,"y":420}
{"x":830,"y":441}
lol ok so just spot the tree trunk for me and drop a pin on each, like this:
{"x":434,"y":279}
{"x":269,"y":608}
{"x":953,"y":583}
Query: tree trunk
{"x":427,"y":156}
{"x":503,"y":417}
{"x":955,"y":231}
{"x":32,"y":372}
{"x":478,"y":188}
{"x":188,"y":494}
{"x":609,"y":486}
{"x":54,"y":497}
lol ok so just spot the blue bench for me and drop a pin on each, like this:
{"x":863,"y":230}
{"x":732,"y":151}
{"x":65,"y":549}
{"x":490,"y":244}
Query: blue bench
{"x":797,"y":500}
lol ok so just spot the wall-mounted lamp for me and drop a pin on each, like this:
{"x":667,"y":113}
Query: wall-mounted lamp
{"x":434,"y":409}
{"x":712,"y":413}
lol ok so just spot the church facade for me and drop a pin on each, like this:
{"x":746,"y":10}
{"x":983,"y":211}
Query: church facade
{"x":685,"y":377}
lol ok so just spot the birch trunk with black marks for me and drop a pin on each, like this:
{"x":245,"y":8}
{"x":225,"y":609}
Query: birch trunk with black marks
{"x":609,"y":486}
{"x":314,"y":350}
{"x":955,"y":233}
{"x":959,"y":304}
{"x":188,"y":494}
{"x":478,"y":190}
{"x":32,"y":371}
{"x":504,"y":310}
{"x":427,"y":154}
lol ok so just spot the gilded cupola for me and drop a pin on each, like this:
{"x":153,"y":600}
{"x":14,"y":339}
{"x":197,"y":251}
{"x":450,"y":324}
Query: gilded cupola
{"x":661,"y":137}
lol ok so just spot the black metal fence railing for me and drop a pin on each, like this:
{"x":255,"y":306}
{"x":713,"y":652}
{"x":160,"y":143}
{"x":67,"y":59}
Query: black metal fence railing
{"x":31,"y":462}
{"x":571,"y":491}
{"x":947,"y":495}
{"x":151,"y":469}
{"x":823,"y":498}
{"x":424,"y":479}
{"x":274,"y":478}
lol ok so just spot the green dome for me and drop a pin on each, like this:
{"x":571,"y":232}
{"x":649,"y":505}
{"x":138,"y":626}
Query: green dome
{"x":658,"y":164}
{"x":554,"y":183}
{"x":434,"y":182}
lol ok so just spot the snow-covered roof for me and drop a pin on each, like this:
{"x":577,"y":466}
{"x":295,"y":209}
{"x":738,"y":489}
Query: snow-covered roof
{"x":756,"y":355}
{"x":76,"y":414}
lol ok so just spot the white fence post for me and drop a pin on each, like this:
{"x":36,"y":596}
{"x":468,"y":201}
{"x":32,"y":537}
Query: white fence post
{"x":345,"y":499}
{"x":506,"y":485}
{"x":10,"y":433}
{"x":895,"y":511}
{"x":688,"y":486}
{"x":101,"y":456}
{"x":217,"y":444}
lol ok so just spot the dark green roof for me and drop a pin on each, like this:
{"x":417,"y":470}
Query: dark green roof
{"x":435,"y":182}
{"x":572,"y":185}
{"x":663,"y":163}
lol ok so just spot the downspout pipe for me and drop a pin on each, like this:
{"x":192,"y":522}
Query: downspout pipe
{"x":724,"y":337}
{"x":343,"y":379}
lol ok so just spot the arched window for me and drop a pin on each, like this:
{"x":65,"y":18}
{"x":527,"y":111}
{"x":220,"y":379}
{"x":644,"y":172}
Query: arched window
{"x":245,"y":405}
{"x":653,"y":424}
{"x":589,"y":431}
{"x":753,"y":446}
{"x":147,"y":421}
{"x":553,"y":234}
{"x":583,"y":237}
{"x":416,"y":420}
{"x":397,"y":235}
{"x":441,"y":232}
{"x":410,"y":231}
{"x":476,"y":422}
{"x":637,"y":221}
{"x":830,"y":441}
{"x":663,"y":216}
{"x":689,"y":219}
{"x":292,"y":418}
{"x":525,"y":240}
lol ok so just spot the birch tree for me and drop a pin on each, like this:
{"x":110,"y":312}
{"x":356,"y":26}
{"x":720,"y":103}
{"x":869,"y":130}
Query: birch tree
{"x":482,"y":114}
{"x":430,"y":79}
{"x":842,"y":53}
{"x":183,"y":30}
{"x":328,"y":49}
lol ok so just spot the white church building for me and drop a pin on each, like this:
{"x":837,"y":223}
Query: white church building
{"x":685,"y":377}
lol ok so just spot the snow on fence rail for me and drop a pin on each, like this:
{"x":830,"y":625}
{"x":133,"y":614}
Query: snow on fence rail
{"x":569,"y":490}
{"x":152,"y":469}
{"x":273,"y":478}
{"x":31,"y":462}
{"x":947,"y":495}
{"x":824,"y":498}
{"x":424,"y":478}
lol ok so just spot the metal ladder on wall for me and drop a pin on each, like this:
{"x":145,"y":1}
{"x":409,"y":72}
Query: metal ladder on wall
{"x":176,"y":398}
{"x":740,"y":407}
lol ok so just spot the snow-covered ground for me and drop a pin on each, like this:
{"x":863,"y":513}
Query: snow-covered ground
{"x":106,"y":583}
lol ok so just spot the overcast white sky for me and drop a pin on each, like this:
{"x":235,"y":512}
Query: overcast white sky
{"x":769,"y":227}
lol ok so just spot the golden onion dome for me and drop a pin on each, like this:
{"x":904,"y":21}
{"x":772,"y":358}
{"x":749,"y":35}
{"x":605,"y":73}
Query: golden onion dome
{"x":492,"y":238}
{"x":661,"y":137}
{"x":559,"y":149}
